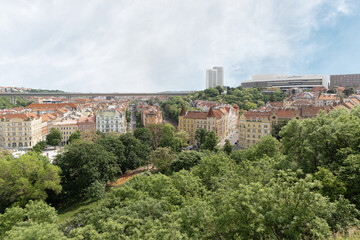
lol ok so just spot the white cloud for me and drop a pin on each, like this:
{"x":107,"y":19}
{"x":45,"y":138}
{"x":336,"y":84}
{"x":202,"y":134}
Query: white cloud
{"x":154,"y":45}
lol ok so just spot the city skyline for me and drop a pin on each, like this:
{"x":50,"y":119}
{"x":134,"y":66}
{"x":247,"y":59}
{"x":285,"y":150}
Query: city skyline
{"x":155,"y":46}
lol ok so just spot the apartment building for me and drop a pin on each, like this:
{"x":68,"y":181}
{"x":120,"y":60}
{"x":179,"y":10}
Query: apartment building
{"x":86,"y":124}
{"x":66,"y":128}
{"x":113,"y":119}
{"x":345,"y":80}
{"x":151,"y":115}
{"x":326,"y":100}
{"x":216,"y":120}
{"x":22,"y":130}
{"x":253,"y":125}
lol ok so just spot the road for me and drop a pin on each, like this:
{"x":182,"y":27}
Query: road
{"x":233,"y":139}
{"x":132,"y":109}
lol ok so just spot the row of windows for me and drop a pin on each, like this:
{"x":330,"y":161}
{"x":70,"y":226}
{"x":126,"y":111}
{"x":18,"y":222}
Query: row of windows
{"x":67,"y":128}
{"x":254,"y":135}
{"x":254,"y":125}
{"x":20,"y":144}
{"x":14,"y":139}
{"x":14,"y":124}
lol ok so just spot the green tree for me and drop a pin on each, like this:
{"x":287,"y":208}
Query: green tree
{"x":36,"y":220}
{"x":161,"y":159}
{"x":128,"y":116}
{"x":75,"y":136}
{"x":28,"y":177}
{"x":275,"y":132}
{"x":227,"y":147}
{"x":331,"y":184}
{"x":350,"y":175}
{"x":168,"y":138}
{"x":135,"y":152}
{"x":186,"y":160}
{"x":211,"y":140}
{"x":183,"y":136}
{"x":156,"y":133}
{"x":144,"y":135}
{"x":200,"y":135}
{"x":114,"y":145}
{"x":54,"y":137}
{"x":82,"y":165}
{"x":211,"y":92}
{"x":40,"y":146}
{"x":324,"y":141}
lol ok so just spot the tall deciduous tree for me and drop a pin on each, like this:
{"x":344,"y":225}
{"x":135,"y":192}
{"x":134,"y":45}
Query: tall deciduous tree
{"x":200,"y":135}
{"x":114,"y":145}
{"x":161,"y":158}
{"x":54,"y":137}
{"x":135,"y":152}
{"x":75,"y":136}
{"x":227,"y":147}
{"x":156,"y":132}
{"x":82,"y":165}
{"x":211,"y":140}
{"x":26,"y":178}
{"x":144,"y":135}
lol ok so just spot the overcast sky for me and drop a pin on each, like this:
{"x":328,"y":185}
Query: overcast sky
{"x":158,"y":45}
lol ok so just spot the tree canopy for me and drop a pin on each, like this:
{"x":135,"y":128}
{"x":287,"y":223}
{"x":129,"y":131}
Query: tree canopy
{"x":28,"y":177}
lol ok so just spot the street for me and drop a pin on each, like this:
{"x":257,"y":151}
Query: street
{"x":132,"y":124}
{"x":233,"y":139}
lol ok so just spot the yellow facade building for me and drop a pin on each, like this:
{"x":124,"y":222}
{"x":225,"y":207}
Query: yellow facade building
{"x":66,"y":128}
{"x":22,"y":130}
{"x":253,"y":125}
{"x":216,"y":120}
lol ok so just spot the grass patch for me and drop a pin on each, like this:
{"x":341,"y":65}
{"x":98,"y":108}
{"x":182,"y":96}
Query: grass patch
{"x":68,"y":212}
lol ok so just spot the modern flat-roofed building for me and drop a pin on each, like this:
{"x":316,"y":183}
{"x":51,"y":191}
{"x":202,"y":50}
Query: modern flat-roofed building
{"x":285,"y":82}
{"x":344,"y":80}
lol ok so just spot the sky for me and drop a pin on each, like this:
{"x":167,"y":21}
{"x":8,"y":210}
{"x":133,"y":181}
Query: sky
{"x":167,"y":45}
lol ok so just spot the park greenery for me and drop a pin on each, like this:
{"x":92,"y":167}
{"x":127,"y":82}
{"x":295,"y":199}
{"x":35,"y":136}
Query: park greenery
{"x":6,"y":103}
{"x":305,"y":186}
{"x":245,"y":98}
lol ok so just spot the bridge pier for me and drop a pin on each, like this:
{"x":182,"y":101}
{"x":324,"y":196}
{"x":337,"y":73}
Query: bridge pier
{"x":68,"y":98}
{"x":13,"y":99}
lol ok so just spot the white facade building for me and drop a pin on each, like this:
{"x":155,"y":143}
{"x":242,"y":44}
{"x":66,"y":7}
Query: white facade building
{"x":111,"y":120}
{"x":285,"y":82}
{"x":215,"y":77}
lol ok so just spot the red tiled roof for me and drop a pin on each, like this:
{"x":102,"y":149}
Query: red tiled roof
{"x":23,"y":116}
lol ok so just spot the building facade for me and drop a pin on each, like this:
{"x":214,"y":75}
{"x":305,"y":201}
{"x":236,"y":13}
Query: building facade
{"x":20,"y":130}
{"x":86,"y":124}
{"x":216,"y":120}
{"x":344,"y":80}
{"x":215,"y":77}
{"x":253,"y":125}
{"x":111,"y":120}
{"x":286,"y":82}
{"x":151,"y":115}
{"x":66,"y":128}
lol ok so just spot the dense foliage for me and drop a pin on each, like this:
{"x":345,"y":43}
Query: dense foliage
{"x":245,"y":98}
{"x":25,"y":178}
{"x":6,"y":103}
{"x":305,"y":186}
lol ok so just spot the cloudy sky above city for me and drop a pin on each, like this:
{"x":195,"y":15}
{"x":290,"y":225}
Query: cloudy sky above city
{"x":158,"y":45}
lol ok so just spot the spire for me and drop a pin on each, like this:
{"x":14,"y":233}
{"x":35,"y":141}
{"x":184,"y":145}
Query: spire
{"x":182,"y":113}
{"x":211,"y":113}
